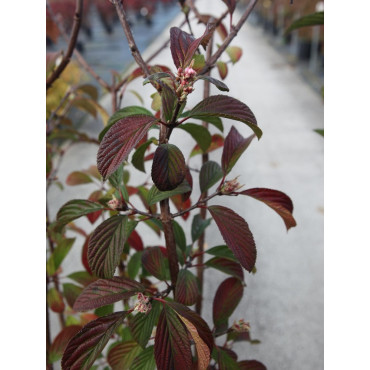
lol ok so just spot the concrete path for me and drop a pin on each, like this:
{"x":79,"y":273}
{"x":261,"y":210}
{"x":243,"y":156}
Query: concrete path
{"x":284,"y":300}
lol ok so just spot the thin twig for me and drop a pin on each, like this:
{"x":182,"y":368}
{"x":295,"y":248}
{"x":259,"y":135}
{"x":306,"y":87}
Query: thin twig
{"x":71,"y":46}
{"x":78,"y":55}
{"x":130,"y":39}
{"x":210,"y":62}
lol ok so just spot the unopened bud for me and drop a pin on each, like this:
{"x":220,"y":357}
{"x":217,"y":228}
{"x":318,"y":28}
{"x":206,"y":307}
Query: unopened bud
{"x":231,"y":186}
{"x":241,"y":326}
{"x":114,"y":203}
{"x":142,"y":305}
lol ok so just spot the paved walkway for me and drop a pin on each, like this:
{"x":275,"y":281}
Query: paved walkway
{"x":284,"y":300}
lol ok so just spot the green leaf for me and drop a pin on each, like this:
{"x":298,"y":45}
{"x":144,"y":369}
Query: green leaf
{"x":142,"y":324}
{"x":225,"y":361}
{"x":76,"y":208}
{"x":116,"y":178}
{"x":155,"y":195}
{"x":121,"y":356}
{"x":227,"y":266}
{"x":198,"y":226}
{"x":221,"y":251}
{"x":179,"y":235}
{"x":90,"y":90}
{"x":60,"y":252}
{"x":199,"y":133}
{"x":210,"y":174}
{"x":199,"y":62}
{"x":314,"y":19}
{"x":122,"y":113}
{"x":169,"y":101}
{"x":145,"y":360}
{"x":134,"y":265}
{"x":104,"y":310}
{"x":320,"y":131}
{"x":138,"y":157}
{"x":106,"y":245}
{"x":220,"y":85}
{"x":84,"y":348}
{"x":215,"y":121}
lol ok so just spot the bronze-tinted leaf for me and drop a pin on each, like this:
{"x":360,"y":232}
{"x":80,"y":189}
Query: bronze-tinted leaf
{"x":94,"y":197}
{"x":119,"y":140}
{"x":106,"y":291}
{"x":187,"y":289}
{"x":106,"y":246}
{"x":171,"y":343}
{"x":234,"y":146}
{"x":86,"y":346}
{"x":227,"y":298}
{"x":276,"y":200}
{"x":78,"y":178}
{"x":168,"y":169}
{"x":235,"y":231}
{"x":216,"y":143}
{"x":121,"y":356}
{"x":228,"y":107}
{"x":235,"y":53}
{"x":222,"y":69}
{"x":55,"y":300}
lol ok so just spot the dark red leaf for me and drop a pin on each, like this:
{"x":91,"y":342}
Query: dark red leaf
{"x":106,"y":246}
{"x":179,"y":45}
{"x":235,"y":231}
{"x":227,"y":266}
{"x":187,"y":289}
{"x":227,"y":298}
{"x":168,"y":169}
{"x":86,"y":346}
{"x":222,"y":69}
{"x":119,"y":140}
{"x":106,"y":291}
{"x":189,"y":179}
{"x":231,"y":4}
{"x":234,"y":146}
{"x":251,"y":365}
{"x":61,"y":340}
{"x":134,"y":240}
{"x":277,"y":200}
{"x":228,"y":107}
{"x":154,"y":262}
{"x":181,"y":205}
{"x":94,"y":197}
{"x":171,"y":343}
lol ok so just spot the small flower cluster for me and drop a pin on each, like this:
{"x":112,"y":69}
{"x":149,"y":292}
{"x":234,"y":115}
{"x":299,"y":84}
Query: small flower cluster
{"x":114,"y":203}
{"x":185,"y":78}
{"x":143,"y":305}
{"x":231,"y":186}
{"x":241,"y":326}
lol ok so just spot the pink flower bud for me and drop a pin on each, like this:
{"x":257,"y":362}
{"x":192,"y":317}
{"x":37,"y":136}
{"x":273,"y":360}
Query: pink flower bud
{"x":114,"y":203}
{"x":241,"y":326}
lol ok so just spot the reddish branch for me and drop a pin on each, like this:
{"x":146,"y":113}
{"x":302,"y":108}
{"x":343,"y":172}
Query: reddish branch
{"x":71,"y":46}
{"x":234,"y":31}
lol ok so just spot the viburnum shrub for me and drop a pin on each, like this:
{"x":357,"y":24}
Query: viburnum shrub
{"x":158,"y":286}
